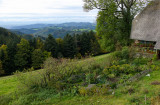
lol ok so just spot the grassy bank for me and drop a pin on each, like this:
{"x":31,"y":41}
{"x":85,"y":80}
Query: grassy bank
{"x":146,"y":90}
{"x":9,"y":84}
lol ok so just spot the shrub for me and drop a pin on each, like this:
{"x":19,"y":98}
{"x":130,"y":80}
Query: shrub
{"x":95,"y":90}
{"x":155,"y":57}
{"x":117,"y":70}
{"x":117,"y":54}
{"x":83,"y":91}
{"x":30,"y":80}
{"x":40,"y":78}
{"x":113,"y":86}
{"x":140,"y":61}
{"x":6,"y":99}
{"x":124,"y":78}
{"x":127,"y":69}
{"x":60,"y":74}
{"x":79,"y":56}
{"x":154,"y":67}
{"x":125,"y":53}
{"x":135,"y":99}
{"x":76,"y":78}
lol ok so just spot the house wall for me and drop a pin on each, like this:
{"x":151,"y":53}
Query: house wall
{"x":145,"y":46}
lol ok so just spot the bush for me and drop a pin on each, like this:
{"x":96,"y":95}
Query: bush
{"x":60,"y":74}
{"x":155,"y":57}
{"x":95,"y":90}
{"x":117,"y":54}
{"x":123,"y":54}
{"x":154,"y":67}
{"x":140,"y":61}
{"x":117,"y":70}
{"x":6,"y":99}
{"x":127,"y":54}
{"x":135,"y":100}
{"x":127,"y":69}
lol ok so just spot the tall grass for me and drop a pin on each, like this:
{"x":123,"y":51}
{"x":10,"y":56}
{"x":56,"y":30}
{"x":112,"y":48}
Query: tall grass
{"x":58,"y":79}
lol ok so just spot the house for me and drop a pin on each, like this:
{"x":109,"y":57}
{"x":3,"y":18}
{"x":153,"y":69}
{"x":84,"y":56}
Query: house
{"x":146,"y":28}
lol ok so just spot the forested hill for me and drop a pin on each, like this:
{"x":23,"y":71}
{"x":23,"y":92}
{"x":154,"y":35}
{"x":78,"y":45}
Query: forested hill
{"x":57,"y":30}
{"x":7,"y":37}
{"x":73,"y":24}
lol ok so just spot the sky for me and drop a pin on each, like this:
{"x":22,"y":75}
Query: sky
{"x":22,"y":12}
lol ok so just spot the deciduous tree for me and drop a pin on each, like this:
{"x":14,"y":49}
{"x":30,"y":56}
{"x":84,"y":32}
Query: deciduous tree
{"x":114,"y":20}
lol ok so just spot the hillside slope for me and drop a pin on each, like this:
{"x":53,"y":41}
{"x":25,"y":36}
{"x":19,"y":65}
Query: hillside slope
{"x":144,"y":91}
{"x":57,"y":30}
{"x":7,"y":36}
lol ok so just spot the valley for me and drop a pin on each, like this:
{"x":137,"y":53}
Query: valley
{"x":57,"y":30}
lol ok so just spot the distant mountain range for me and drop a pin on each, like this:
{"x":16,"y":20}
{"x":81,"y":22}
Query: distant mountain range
{"x":57,"y":30}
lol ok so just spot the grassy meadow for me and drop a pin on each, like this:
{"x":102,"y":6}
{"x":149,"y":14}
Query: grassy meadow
{"x":143,"y":91}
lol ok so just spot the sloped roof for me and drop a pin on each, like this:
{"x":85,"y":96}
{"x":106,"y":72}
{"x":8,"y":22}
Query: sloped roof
{"x":157,"y":46}
{"x":146,"y":26}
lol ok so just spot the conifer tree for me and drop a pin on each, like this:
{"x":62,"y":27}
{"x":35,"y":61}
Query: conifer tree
{"x":38,"y":58}
{"x":50,"y":45}
{"x":1,"y":68}
{"x":4,"y":57}
{"x":23,"y":55}
{"x":69,"y":49}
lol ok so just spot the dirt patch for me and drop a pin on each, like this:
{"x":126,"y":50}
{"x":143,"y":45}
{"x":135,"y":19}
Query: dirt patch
{"x":155,"y":83}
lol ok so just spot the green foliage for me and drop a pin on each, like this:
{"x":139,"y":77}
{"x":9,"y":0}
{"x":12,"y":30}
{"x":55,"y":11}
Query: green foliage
{"x":106,"y":28}
{"x":117,"y":70}
{"x":39,"y":44}
{"x":68,"y":80}
{"x":69,"y":48}
{"x":87,"y":43}
{"x":60,"y":47}
{"x":114,"y":20}
{"x":38,"y":57}
{"x":50,"y":45}
{"x":57,"y":30}
{"x":140,"y":61}
{"x":3,"y":53}
{"x":127,"y":53}
{"x":1,"y":68}
{"x":23,"y":55}
{"x":135,"y":100}
{"x":60,"y":74}
{"x":7,"y":37}
{"x":117,"y":54}
{"x":95,"y":47}
{"x":4,"y":57}
{"x":154,"y":67}
{"x":95,"y":90}
{"x":155,"y":57}
{"x":11,"y":50}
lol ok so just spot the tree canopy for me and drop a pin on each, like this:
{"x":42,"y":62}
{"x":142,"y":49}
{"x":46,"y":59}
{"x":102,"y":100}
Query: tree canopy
{"x":114,"y":20}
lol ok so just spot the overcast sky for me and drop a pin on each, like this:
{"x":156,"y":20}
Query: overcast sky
{"x":17,"y":12}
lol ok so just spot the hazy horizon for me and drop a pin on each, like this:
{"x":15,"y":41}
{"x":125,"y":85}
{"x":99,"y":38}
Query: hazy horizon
{"x":22,"y":12}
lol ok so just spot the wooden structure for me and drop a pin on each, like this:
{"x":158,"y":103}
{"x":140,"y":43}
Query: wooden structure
{"x":146,"y":27}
